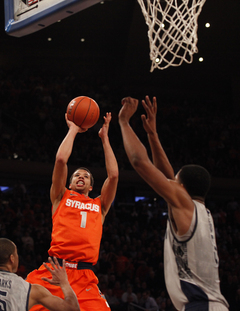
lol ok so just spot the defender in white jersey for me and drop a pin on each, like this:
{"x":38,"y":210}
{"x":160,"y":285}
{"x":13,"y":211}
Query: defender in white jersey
{"x":190,"y":257}
{"x":14,"y":292}
{"x":18,"y":295}
{"x":191,"y":264}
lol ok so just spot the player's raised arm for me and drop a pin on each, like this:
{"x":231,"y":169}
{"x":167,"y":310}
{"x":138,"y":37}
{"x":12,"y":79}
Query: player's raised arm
{"x":160,"y":159}
{"x":172,"y":192}
{"x":60,"y":171}
{"x":109,"y":187}
{"x":40,"y":295}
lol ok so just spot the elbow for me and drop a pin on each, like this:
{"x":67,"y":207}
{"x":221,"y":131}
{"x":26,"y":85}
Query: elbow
{"x":114,"y":176}
{"x":113,"y":172}
{"x":136,"y":162}
{"x":141,"y":164}
{"x":60,"y":158}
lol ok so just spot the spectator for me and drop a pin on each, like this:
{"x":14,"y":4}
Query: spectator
{"x":148,"y":302}
{"x":113,"y":301}
{"x":128,"y":297}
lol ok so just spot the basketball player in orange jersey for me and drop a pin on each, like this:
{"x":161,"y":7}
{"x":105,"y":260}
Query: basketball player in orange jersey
{"x":77,"y":221}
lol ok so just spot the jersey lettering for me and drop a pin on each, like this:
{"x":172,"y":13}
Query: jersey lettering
{"x":5,"y":283}
{"x":80,"y":205}
{"x":71,"y":265}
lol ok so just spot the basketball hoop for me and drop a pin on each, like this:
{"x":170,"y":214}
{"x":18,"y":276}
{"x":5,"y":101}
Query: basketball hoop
{"x":172,"y":30}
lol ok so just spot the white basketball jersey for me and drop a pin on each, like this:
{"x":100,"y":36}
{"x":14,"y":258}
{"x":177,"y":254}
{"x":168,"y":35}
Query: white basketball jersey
{"x":191,"y":263}
{"x":14,"y":292}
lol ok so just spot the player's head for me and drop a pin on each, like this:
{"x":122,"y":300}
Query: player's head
{"x":195,"y":179}
{"x":81,"y":172}
{"x":8,"y":254}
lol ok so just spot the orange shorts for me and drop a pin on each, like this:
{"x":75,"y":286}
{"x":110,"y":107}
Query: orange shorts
{"x":84,"y":283}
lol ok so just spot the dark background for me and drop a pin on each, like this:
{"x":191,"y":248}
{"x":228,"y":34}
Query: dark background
{"x":199,"y":104}
{"x":116,"y":49}
{"x":115,"y":54}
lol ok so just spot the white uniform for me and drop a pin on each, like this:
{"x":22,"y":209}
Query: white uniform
{"x":14,"y":292}
{"x":191,"y":265}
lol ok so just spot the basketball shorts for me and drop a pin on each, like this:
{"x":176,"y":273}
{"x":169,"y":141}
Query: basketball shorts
{"x":84,"y":283}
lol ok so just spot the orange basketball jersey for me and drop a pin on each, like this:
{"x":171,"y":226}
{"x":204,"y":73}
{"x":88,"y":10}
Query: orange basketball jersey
{"x":77,"y":228}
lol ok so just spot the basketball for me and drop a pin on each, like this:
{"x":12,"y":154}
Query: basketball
{"x":83,"y":111}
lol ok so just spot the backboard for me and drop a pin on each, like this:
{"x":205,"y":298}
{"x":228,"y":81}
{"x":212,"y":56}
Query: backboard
{"x":23,"y":17}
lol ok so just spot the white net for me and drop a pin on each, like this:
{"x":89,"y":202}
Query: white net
{"x":172,"y":30}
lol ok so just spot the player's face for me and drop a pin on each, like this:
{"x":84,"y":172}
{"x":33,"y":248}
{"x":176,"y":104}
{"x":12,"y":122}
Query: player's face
{"x":81,"y":181}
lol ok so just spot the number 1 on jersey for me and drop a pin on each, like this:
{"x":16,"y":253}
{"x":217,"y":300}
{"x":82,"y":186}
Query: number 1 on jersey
{"x":84,"y":219}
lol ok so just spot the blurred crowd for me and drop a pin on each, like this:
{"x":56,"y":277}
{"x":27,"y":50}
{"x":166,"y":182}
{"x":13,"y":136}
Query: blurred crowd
{"x":130,"y":266}
{"x":192,"y":130}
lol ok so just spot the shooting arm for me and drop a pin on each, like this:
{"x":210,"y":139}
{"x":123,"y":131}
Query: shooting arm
{"x":60,"y":171}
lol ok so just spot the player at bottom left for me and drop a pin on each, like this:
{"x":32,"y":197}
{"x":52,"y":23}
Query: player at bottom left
{"x":18,"y":295}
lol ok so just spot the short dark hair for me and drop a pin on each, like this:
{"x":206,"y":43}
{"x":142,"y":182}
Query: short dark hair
{"x":85,"y":169}
{"x":7,"y":248}
{"x":196,"y":179}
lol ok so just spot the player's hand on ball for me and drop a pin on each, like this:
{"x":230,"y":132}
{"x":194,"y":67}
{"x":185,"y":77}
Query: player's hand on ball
{"x":70,"y":124}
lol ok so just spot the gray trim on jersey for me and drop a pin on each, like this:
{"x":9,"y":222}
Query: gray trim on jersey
{"x":193,"y":224}
{"x":28,"y":295}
